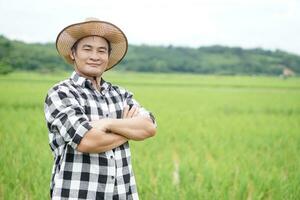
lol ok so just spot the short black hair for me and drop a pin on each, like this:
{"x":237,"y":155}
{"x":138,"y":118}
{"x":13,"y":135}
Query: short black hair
{"x":74,"y":47}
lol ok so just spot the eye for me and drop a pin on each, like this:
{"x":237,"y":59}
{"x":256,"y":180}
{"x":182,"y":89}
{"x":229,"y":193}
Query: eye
{"x":87,"y":49}
{"x":102,"y":51}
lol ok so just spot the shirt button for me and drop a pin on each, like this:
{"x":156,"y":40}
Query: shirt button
{"x":102,"y":98}
{"x":111,"y":157}
{"x":112,"y":177}
{"x":106,"y":115}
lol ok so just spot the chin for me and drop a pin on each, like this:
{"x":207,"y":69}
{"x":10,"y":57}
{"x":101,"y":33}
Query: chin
{"x":93,"y":72}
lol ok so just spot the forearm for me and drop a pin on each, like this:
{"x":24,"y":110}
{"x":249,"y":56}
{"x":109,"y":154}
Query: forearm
{"x":98,"y":141}
{"x":136,"y":128}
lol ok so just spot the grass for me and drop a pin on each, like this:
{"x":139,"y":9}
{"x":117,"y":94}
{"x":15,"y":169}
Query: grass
{"x":232,"y":137}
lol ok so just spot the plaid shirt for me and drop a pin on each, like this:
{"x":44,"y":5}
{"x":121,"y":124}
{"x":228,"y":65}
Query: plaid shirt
{"x":69,"y":107}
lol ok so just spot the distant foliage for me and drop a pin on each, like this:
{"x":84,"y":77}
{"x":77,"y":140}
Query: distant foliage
{"x":205,"y":60}
{"x":37,"y":57}
{"x":5,"y":68}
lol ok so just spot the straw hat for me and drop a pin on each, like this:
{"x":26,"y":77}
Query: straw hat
{"x":93,"y":27}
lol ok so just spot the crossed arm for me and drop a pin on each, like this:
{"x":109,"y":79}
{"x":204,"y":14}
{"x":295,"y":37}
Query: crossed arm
{"x":107,"y":133}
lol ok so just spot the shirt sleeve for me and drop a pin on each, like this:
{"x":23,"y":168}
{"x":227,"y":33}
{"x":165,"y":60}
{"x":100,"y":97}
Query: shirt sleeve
{"x":142,"y":112}
{"x":65,"y":116}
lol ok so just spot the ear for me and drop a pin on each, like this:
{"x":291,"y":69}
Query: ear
{"x":72,"y":56}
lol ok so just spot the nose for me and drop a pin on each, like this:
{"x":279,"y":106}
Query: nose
{"x":94,"y":56}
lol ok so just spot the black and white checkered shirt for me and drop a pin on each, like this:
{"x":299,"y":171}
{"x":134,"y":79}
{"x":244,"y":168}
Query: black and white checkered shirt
{"x":69,"y":107}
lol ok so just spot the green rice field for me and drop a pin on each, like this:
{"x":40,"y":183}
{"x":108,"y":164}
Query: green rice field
{"x":218,"y":137}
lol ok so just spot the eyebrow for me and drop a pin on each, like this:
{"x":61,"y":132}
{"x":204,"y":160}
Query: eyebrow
{"x":90,"y":46}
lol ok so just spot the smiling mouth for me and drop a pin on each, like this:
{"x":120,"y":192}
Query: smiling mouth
{"x":93,"y":64}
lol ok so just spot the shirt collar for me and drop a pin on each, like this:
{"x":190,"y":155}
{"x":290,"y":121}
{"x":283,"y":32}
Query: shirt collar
{"x":84,"y":82}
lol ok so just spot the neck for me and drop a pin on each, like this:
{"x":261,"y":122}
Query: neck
{"x":94,"y":79}
{"x":96,"y":82}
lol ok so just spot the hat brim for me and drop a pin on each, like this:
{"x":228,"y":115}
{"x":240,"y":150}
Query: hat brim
{"x":114,"y":35}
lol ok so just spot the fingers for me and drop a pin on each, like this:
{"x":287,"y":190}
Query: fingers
{"x":133,"y":112}
{"x":125,"y":111}
{"x":100,"y":124}
{"x":136,"y":112}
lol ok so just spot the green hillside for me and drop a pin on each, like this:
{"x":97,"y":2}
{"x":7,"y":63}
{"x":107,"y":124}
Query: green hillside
{"x":17,"y":55}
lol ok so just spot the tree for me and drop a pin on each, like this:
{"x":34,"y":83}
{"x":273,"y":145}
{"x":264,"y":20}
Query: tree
{"x":5,"y":68}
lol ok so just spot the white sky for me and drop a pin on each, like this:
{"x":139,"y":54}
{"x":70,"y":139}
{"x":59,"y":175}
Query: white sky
{"x":270,"y":24}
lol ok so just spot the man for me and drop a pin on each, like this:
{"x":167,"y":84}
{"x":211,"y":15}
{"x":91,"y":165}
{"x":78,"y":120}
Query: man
{"x":90,"y":121}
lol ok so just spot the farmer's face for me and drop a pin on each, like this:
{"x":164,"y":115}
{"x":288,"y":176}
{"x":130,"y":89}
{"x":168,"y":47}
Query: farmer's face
{"x":91,"y":56}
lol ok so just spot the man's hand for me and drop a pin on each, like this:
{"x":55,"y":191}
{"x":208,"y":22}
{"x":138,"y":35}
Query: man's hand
{"x":103,"y":124}
{"x":133,"y":112}
{"x":131,"y":125}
